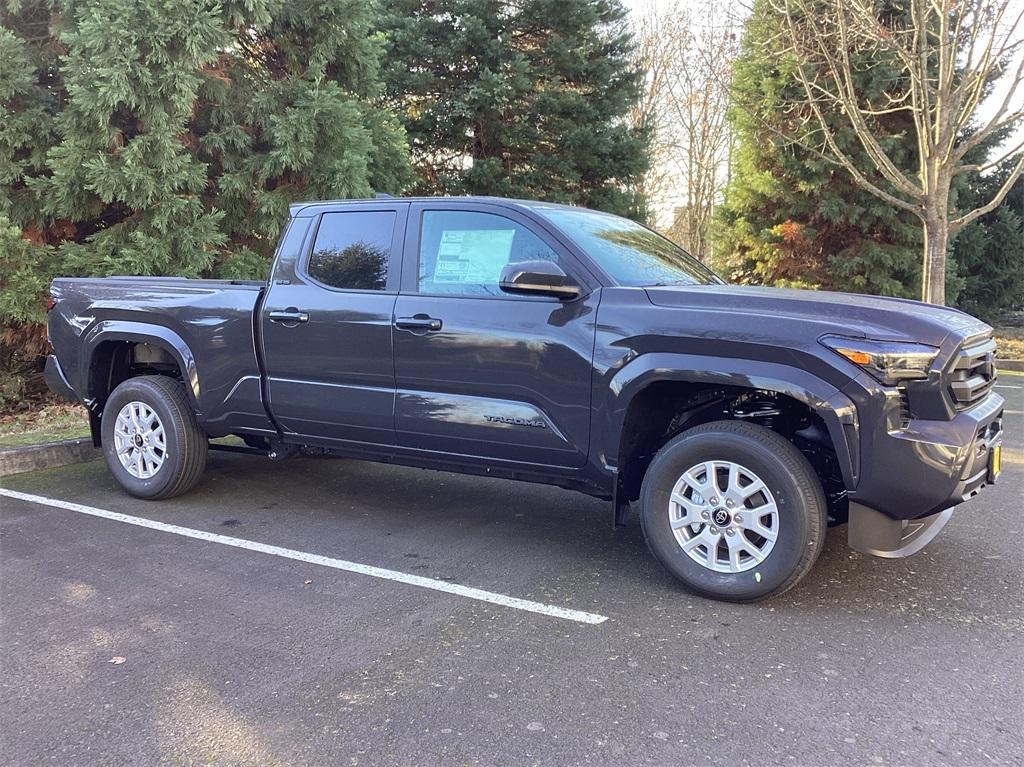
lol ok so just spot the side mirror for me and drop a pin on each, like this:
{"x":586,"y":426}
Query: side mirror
{"x":537,"y":278}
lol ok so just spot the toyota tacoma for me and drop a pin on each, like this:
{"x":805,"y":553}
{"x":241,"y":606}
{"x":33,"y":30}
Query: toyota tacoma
{"x":552,"y":344}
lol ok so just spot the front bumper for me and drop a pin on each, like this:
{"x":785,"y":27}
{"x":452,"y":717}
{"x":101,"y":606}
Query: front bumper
{"x":916,"y":471}
{"x":56,"y":380}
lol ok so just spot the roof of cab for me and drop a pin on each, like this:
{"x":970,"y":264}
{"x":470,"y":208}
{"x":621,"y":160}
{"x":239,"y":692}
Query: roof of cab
{"x":298,"y":207}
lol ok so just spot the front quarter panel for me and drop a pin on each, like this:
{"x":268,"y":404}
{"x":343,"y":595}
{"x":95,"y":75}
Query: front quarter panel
{"x":638,"y":343}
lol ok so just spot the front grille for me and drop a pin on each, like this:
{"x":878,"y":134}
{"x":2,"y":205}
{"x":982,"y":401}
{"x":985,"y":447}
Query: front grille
{"x":904,"y":412}
{"x":973,"y":373}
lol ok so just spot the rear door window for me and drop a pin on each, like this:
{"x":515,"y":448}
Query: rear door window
{"x":352,"y":250}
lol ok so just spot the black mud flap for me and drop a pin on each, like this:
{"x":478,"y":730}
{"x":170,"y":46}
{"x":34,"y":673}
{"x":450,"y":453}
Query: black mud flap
{"x":620,"y":507}
{"x":871,"y":532}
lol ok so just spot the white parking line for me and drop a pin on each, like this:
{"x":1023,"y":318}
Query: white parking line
{"x":316,"y":559}
{"x":1004,"y":386}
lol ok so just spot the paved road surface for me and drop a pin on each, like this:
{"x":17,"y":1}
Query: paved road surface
{"x":238,"y":657}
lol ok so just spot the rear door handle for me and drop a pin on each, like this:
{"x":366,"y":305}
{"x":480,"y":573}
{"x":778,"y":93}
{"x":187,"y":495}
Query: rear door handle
{"x":419,"y":322}
{"x":289,"y":315}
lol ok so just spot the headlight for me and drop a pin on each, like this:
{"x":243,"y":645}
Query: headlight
{"x":888,"y":361}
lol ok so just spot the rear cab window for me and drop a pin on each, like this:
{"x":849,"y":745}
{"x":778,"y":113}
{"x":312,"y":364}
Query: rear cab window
{"x":352,"y":250}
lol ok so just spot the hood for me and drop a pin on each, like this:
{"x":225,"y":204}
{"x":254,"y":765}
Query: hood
{"x":824,"y":312}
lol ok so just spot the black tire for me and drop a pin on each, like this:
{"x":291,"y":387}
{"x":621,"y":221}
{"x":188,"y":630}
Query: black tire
{"x":186,"y":443}
{"x":802,"y":512}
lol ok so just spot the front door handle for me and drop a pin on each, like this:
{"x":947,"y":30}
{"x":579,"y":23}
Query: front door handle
{"x":419,"y":322}
{"x":289,"y":315}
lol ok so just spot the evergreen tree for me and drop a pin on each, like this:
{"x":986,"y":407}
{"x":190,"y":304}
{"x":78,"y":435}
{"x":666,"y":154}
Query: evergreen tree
{"x":31,"y":94}
{"x":295,"y":114}
{"x":30,"y":100}
{"x":791,"y":217}
{"x":121,"y":173}
{"x":145,"y":137}
{"x":520,"y":98}
{"x":988,"y":254}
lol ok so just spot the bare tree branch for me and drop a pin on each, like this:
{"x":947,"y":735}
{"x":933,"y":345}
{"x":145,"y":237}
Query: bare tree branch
{"x":958,"y":223}
{"x":688,"y":62}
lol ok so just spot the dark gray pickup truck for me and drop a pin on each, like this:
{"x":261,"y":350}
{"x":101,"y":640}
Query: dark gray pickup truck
{"x":552,"y":344}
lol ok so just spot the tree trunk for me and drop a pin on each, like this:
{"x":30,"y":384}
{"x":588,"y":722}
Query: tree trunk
{"x":933,"y":278}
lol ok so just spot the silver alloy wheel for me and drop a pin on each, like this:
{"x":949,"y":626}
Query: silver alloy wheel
{"x":139,"y":440}
{"x":723,"y":516}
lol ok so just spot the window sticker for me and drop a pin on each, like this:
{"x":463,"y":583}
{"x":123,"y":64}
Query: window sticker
{"x":474,"y":256}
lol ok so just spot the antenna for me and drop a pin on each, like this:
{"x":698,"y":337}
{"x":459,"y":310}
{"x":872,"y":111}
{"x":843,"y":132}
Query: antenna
{"x":383,"y":196}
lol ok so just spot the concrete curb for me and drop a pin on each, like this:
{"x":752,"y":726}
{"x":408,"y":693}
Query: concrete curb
{"x":50,"y":455}
{"x":1017,"y":365}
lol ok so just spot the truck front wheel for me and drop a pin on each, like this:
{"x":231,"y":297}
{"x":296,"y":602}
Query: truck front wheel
{"x":734,"y":511}
{"x":153,"y":445}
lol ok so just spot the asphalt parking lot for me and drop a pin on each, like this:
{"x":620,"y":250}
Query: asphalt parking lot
{"x":234,"y":656}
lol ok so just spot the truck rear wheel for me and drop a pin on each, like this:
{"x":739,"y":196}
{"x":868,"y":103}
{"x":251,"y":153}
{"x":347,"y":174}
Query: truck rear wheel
{"x":734,"y":511}
{"x":152,"y":442}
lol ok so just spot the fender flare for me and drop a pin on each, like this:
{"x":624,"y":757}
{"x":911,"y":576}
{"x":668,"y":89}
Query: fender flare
{"x":836,"y":410}
{"x":142,"y":332}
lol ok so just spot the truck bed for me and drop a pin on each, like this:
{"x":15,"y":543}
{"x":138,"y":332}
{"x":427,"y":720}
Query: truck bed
{"x":207,"y":325}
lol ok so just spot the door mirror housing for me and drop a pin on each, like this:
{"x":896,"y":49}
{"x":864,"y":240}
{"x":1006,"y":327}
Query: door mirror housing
{"x":538,"y":278}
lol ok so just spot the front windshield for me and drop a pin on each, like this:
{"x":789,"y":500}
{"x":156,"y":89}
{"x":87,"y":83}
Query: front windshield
{"x":629,"y":253}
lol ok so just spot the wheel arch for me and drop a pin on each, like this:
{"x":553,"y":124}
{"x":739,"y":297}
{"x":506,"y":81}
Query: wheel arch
{"x":661,"y":380}
{"x":107,"y":348}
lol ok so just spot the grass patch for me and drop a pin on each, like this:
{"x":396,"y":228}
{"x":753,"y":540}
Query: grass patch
{"x":51,"y":423}
{"x":1010,"y":343}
